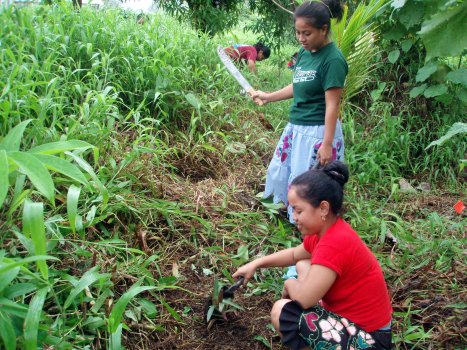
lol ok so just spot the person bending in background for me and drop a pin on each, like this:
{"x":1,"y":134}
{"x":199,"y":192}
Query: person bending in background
{"x":339,"y":299}
{"x":248,"y":54}
{"x":314,"y":131}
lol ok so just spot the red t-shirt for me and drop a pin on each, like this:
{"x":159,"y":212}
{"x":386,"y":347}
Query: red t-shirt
{"x":244,"y":52}
{"x":359,"y":292}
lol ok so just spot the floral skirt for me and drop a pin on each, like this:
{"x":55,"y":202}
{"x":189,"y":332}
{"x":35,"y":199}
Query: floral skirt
{"x":319,"y":329}
{"x":296,"y":153}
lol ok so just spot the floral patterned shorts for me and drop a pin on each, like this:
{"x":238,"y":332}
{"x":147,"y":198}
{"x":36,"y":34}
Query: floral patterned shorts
{"x":323,"y":330}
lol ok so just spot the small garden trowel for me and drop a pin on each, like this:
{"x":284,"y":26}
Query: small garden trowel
{"x":220,"y":302}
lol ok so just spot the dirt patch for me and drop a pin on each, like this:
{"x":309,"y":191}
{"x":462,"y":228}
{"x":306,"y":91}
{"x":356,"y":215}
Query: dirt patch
{"x":246,"y":329}
{"x":420,"y":206}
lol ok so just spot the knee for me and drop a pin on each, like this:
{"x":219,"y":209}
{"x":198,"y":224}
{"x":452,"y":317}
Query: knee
{"x":276,"y":312}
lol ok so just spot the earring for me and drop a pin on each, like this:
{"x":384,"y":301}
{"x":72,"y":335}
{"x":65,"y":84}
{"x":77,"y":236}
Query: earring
{"x":323,"y":217}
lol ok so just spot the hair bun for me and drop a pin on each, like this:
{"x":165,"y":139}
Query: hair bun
{"x":338,"y":171}
{"x":335,"y":8}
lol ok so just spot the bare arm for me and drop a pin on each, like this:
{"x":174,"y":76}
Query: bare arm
{"x":309,"y":290}
{"x":282,"y":94}
{"x":332,"y":97}
{"x":252,"y":66}
{"x":281,"y":258}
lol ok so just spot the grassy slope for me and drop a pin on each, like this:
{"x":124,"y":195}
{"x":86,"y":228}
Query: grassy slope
{"x":183,"y":156}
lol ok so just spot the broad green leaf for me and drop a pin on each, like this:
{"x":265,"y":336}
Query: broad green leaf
{"x":435,"y":90}
{"x":193,"y":100}
{"x":12,"y":140}
{"x":406,"y":45}
{"x":393,"y":56}
{"x":456,"y":128}
{"x":117,"y":311}
{"x":60,"y":147}
{"x":33,"y":226}
{"x":36,"y":172}
{"x":426,"y":71}
{"x":62,"y":166}
{"x":3,"y":176}
{"x":397,"y":4}
{"x":15,"y":263}
{"x":7,"y":332}
{"x":86,"y":280}
{"x":417,"y":91}
{"x":439,"y":31}
{"x":458,"y":76}
{"x":31,"y":323}
{"x":411,"y":14}
{"x":72,"y":205}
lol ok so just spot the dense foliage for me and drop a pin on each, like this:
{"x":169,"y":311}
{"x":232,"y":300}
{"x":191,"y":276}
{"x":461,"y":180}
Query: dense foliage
{"x":427,"y":40}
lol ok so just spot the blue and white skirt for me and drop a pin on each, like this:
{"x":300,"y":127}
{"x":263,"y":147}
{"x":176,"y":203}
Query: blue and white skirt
{"x":296,"y":153}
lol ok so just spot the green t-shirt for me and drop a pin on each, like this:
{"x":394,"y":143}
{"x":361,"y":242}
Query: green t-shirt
{"x":314,"y":73}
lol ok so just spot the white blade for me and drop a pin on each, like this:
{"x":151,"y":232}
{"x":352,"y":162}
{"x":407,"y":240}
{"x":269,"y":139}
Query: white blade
{"x":232,"y":69}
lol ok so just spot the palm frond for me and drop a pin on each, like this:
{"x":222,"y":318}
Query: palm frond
{"x":356,"y":36}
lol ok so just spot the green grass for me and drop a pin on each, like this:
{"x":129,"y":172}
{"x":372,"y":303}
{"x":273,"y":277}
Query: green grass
{"x":129,"y":168}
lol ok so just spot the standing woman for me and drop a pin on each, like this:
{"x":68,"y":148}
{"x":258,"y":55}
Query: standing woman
{"x":314,"y":132}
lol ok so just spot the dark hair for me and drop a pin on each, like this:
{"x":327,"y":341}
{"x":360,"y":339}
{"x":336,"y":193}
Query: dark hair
{"x":323,"y":184}
{"x":261,"y":47}
{"x":319,"y":13}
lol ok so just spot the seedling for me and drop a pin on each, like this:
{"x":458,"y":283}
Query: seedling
{"x":220,"y":303}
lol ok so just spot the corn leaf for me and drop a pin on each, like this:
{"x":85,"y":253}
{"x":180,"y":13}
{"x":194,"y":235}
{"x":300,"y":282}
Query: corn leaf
{"x":72,"y":205}
{"x":117,"y":312}
{"x":12,"y":140}
{"x":31,"y":323}
{"x":36,"y":172}
{"x":7,"y":332}
{"x":86,"y":280}
{"x":33,"y":226}
{"x":62,"y":166}
{"x":3,"y":176}
{"x":60,"y":147}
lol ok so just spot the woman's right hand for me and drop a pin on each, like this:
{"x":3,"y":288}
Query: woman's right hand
{"x":260,"y":97}
{"x":247,"y":271}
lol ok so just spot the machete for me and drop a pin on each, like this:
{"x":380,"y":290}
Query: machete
{"x":236,"y":73}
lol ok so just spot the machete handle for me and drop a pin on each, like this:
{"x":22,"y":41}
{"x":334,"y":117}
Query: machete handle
{"x":258,"y":101}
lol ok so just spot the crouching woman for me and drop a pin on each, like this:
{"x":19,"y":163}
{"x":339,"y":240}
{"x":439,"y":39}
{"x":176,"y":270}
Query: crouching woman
{"x":339,"y":299}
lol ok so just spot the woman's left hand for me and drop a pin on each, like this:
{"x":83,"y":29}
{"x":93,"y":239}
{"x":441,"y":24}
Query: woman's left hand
{"x":325,"y":154}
